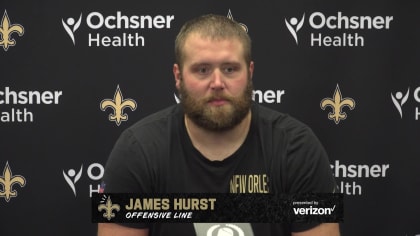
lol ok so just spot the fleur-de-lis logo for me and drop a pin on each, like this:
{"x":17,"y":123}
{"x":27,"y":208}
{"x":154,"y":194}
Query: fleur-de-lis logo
{"x":6,"y":31}
{"x":118,"y":104}
{"x":8,"y":180}
{"x":337,"y":103}
{"x":109,"y":209}
{"x":230,"y":16}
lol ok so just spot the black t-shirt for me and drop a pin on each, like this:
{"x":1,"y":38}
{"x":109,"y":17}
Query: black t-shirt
{"x":280,"y":154}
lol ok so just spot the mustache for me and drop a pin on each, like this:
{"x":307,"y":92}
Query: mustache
{"x":217,"y":97}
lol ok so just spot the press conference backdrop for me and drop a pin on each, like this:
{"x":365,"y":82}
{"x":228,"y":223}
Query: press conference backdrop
{"x":348,"y":69}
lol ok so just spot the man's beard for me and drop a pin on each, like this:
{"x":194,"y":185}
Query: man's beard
{"x":217,"y":118}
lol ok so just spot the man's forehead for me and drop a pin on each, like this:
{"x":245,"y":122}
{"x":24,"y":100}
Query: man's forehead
{"x":198,"y":49}
{"x":207,"y":37}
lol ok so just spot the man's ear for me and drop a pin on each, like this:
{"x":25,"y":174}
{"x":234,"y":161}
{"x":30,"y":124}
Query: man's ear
{"x":177,"y":75}
{"x":251,"y":69}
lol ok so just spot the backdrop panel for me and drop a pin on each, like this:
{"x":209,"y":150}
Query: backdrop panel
{"x":312,"y":59}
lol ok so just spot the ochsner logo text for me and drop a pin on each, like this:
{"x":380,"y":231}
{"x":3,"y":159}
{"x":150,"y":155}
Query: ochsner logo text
{"x":12,"y":101}
{"x":117,"y":30}
{"x":260,"y":96}
{"x":350,"y":28}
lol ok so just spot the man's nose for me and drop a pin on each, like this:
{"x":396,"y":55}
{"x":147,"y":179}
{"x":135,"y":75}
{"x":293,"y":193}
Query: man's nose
{"x":217,"y":81}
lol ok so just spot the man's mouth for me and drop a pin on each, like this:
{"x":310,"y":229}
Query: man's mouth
{"x":218,"y":101}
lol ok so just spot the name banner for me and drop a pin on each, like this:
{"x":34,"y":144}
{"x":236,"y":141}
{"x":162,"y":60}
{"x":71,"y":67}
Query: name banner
{"x":211,"y":207}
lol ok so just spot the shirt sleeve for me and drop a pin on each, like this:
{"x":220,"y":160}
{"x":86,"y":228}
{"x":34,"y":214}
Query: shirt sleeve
{"x":127,"y":170}
{"x":308,"y":168}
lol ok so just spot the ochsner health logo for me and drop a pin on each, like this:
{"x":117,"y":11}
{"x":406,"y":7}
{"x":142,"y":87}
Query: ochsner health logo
{"x":294,"y":26}
{"x":399,"y":100}
{"x":70,"y":25}
{"x":337,"y":30}
{"x":95,"y":172}
{"x":72,"y":177}
{"x":116,"y":29}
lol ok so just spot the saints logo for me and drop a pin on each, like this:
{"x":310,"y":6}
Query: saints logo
{"x":108,"y":207}
{"x":7,"y":181}
{"x":118,"y":104}
{"x":230,"y":16}
{"x":337,"y":104}
{"x":6,"y":31}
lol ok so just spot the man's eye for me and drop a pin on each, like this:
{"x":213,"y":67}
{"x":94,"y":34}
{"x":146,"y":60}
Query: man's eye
{"x":203,"y":70}
{"x":229,"y":69}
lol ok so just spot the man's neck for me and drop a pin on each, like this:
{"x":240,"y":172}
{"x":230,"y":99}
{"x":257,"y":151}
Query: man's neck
{"x":218,"y":145}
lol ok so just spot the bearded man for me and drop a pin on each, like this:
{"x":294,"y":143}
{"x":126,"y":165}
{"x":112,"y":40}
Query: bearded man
{"x":216,"y":133}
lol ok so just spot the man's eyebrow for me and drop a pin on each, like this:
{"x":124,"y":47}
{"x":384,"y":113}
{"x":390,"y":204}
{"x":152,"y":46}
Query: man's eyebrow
{"x":200,"y":64}
{"x":231,"y":63}
{"x":227,"y":63}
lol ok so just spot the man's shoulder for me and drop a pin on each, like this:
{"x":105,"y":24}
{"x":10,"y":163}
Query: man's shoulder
{"x":277,"y":120}
{"x":157,"y":122}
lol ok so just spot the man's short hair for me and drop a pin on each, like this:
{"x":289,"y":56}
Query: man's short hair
{"x":215,"y":27}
